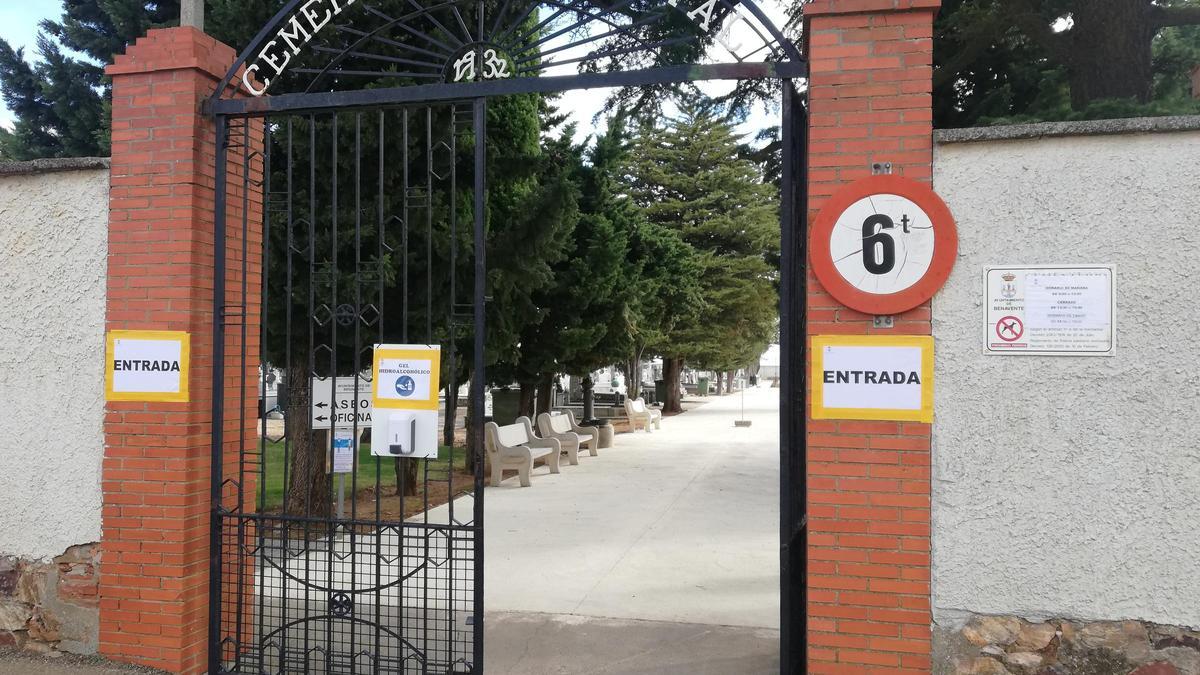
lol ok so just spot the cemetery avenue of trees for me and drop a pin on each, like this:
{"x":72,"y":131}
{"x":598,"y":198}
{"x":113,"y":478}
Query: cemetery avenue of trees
{"x":659,"y":235}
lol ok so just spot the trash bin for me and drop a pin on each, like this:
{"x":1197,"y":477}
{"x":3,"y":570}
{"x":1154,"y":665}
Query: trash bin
{"x":660,"y":391}
{"x":505,"y":404}
{"x":702,"y":386}
{"x":606,"y":434}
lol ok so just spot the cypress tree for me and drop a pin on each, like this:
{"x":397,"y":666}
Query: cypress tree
{"x":690,"y":175}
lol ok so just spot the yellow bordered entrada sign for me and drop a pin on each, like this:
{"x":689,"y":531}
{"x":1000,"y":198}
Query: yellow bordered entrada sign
{"x":405,"y":377}
{"x":872,"y":377}
{"x":147,"y":365}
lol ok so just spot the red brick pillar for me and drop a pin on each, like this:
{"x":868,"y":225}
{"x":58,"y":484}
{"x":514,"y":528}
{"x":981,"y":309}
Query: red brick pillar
{"x":155,"y":567}
{"x":868,"y":482}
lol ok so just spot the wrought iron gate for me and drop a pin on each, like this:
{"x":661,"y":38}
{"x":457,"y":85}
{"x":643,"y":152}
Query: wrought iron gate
{"x":371,"y":228}
{"x":793,"y":296}
{"x":369,"y":234}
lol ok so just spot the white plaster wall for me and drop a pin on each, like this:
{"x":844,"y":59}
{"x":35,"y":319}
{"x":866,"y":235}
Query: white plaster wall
{"x":53,"y":261}
{"x":1070,"y":486}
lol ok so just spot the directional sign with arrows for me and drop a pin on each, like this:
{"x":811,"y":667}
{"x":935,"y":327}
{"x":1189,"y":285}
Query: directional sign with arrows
{"x":340,"y":410}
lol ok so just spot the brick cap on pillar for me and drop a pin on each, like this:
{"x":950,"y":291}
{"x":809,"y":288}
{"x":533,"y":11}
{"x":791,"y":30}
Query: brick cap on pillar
{"x":822,"y":7}
{"x":174,"y":49}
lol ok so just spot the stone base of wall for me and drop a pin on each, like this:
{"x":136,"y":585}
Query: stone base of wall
{"x":1007,"y":645}
{"x":46,"y":607}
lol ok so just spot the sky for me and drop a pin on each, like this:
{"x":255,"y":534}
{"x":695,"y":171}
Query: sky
{"x":19,"y":20}
{"x":583,"y":105}
{"x":18,"y":25}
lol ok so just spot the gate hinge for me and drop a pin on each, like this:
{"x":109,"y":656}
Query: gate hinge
{"x":233,"y":315}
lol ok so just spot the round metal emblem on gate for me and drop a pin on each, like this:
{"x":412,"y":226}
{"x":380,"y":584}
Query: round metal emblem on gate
{"x":341,"y":605}
{"x":884,"y":244}
{"x":345,"y":314}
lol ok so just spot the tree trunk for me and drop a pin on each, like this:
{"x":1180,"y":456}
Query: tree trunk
{"x":406,"y":475}
{"x":672,"y":368}
{"x":633,"y":377}
{"x":545,"y":394}
{"x":451,"y":418}
{"x":308,"y":491}
{"x":729,"y":381}
{"x":1110,"y":52}
{"x":527,"y":400}
{"x":717,"y":382}
{"x":589,"y":400}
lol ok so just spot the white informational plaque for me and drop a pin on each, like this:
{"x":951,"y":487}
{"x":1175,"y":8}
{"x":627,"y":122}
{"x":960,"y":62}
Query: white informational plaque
{"x":349,"y":407}
{"x":1045,"y":310}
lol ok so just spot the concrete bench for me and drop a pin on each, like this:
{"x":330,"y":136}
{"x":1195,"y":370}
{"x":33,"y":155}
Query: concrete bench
{"x":639,"y":414}
{"x":572,"y":437}
{"x":605,"y":430}
{"x":513,"y":446}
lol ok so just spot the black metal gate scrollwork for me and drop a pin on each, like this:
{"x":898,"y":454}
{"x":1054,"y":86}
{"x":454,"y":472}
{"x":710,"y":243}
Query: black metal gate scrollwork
{"x":373,"y":207}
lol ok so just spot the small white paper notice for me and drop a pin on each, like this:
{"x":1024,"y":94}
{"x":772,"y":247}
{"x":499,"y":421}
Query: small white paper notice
{"x":343,"y":451}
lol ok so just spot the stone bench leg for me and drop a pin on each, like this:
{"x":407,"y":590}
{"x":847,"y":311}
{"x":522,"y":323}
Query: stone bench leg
{"x":572,"y":454}
{"x":525,"y":470}
{"x":497,"y":471}
{"x":552,"y":461}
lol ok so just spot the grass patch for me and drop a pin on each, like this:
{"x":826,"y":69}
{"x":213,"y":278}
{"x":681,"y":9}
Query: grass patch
{"x":367,"y":468}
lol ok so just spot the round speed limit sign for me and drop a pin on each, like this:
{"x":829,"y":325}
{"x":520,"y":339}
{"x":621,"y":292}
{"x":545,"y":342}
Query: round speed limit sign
{"x":884,"y":244}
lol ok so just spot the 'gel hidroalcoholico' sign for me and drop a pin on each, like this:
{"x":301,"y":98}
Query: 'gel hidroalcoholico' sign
{"x":405,"y":382}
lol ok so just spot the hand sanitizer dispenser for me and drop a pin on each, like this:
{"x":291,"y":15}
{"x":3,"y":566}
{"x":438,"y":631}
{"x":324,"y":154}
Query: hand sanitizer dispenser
{"x":411,"y":434}
{"x":402,"y":434}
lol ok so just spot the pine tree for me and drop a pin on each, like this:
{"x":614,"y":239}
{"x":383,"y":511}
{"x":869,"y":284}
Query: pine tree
{"x":61,"y":102}
{"x":661,"y":273}
{"x":667,"y":293}
{"x":1030,"y":60}
{"x":689,"y":176}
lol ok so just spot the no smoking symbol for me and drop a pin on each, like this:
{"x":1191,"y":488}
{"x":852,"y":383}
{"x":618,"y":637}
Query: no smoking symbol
{"x":1010,"y":329}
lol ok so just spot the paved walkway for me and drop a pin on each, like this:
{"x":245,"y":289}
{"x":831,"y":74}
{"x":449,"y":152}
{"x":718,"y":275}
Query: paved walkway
{"x":660,"y":555}
{"x":24,"y":663}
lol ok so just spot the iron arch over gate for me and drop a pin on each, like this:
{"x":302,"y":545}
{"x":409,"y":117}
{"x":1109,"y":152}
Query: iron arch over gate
{"x":366,"y":191}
